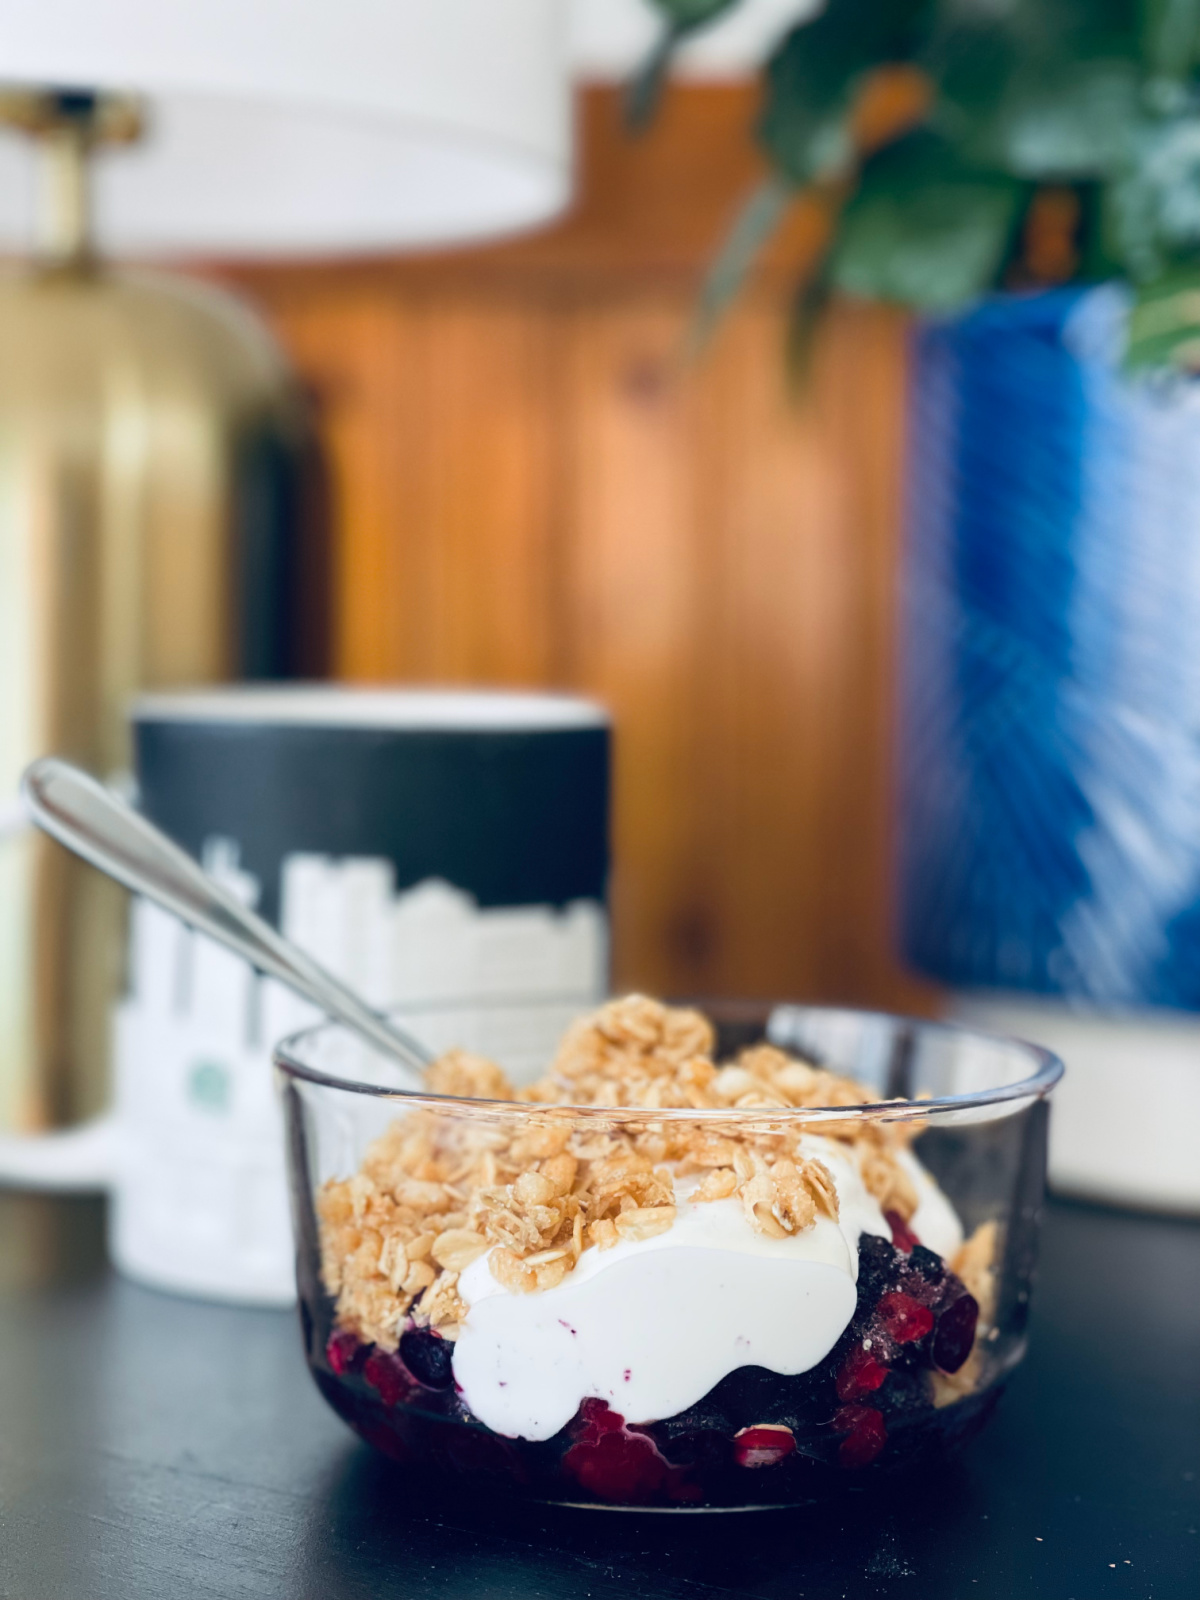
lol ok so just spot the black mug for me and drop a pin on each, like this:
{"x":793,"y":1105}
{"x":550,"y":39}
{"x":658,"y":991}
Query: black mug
{"x":444,"y":852}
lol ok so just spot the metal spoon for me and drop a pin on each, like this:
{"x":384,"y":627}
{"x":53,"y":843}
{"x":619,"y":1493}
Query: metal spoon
{"x":77,"y":811}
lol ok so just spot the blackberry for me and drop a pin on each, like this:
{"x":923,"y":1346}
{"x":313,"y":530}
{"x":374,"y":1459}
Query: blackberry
{"x":878,"y":1268}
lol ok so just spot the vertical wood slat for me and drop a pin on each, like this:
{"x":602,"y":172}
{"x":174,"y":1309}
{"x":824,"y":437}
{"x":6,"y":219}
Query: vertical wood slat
{"x":530,"y":490}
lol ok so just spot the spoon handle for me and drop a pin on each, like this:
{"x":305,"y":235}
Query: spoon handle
{"x":95,"y":824}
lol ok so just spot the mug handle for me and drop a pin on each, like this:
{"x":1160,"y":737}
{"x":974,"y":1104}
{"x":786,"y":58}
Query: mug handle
{"x":80,"y":1160}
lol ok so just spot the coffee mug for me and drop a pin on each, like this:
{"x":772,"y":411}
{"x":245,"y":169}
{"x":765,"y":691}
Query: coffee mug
{"x":444,"y":851}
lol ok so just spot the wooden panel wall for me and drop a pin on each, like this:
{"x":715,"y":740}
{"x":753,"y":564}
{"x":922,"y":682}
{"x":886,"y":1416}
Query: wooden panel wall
{"x":531,"y":487}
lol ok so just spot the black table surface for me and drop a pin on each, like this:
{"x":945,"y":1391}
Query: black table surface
{"x":159,"y":1447}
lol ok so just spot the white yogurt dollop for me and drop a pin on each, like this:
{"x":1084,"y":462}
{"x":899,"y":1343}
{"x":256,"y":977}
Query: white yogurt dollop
{"x":651,"y":1326}
{"x":935,"y":1221}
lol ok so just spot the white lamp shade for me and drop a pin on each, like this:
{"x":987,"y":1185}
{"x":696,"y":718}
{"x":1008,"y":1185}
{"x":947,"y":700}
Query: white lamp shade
{"x":284,"y":126}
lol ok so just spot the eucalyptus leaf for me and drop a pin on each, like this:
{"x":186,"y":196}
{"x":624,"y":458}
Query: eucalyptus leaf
{"x":681,"y":18}
{"x":1098,"y":96}
{"x":808,"y":303}
{"x":691,"y":14}
{"x":759,"y":219}
{"x":815,"y":73}
{"x":923,"y":230}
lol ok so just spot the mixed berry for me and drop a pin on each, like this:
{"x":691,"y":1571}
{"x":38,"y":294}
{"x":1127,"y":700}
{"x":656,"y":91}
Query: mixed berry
{"x":870,"y":1401}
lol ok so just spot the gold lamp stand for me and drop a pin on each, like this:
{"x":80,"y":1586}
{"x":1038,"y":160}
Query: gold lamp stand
{"x":151,"y":442}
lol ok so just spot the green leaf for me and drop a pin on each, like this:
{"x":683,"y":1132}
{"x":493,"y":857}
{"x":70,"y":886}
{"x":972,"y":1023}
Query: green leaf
{"x":1070,"y":122}
{"x":1047,"y":89}
{"x":692,"y":14}
{"x":813,"y":76}
{"x":759,"y":219}
{"x":681,"y":18}
{"x":923,"y":229}
{"x":807,"y":306}
{"x":1164,"y":324}
{"x":1171,"y":37}
{"x":1153,"y":206}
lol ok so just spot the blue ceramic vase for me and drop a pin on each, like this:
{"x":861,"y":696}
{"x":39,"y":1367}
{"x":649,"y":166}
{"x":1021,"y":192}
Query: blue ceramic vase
{"x":1050,"y":743}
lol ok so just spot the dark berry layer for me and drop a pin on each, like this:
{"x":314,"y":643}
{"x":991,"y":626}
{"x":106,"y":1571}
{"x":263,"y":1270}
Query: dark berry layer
{"x":756,"y":1438}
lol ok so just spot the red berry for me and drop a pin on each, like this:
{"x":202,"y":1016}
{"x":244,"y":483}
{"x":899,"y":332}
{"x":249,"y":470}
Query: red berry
{"x":955,"y":1333}
{"x":902,"y":1235}
{"x":388,"y":1374}
{"x":341,"y":1352}
{"x":904,"y":1318}
{"x":860,"y":1373}
{"x":847,"y":1418}
{"x":865,"y":1433}
{"x":764,"y":1445}
{"x":613,"y":1463}
{"x":597,"y":1417}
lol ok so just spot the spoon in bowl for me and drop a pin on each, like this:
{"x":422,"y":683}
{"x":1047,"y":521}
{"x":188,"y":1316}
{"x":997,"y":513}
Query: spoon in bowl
{"x":90,"y":820}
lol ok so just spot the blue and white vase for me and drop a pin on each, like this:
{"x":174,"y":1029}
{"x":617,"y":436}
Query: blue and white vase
{"x":1050,"y":745}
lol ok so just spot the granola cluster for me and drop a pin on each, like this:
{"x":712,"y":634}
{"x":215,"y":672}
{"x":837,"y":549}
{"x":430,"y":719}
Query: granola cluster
{"x":436,"y":1190}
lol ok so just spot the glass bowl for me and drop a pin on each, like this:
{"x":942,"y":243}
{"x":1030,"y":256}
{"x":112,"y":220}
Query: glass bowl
{"x":683,"y":1369}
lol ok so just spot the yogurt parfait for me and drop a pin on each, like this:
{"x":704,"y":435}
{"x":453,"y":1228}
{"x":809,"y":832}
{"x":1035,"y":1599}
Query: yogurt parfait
{"x":676,"y":1270}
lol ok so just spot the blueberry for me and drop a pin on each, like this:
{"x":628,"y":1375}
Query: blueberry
{"x":928,"y":1263}
{"x":748,"y":1394}
{"x":427,"y":1356}
{"x":707,"y":1416}
{"x":905,"y":1394}
{"x":705,"y":1448}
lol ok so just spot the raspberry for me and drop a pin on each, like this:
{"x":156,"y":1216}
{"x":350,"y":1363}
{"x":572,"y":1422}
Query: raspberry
{"x":389,"y":1375}
{"x":903,"y":1318}
{"x":342,"y":1352}
{"x":597,"y":1417}
{"x":859,"y":1374}
{"x":611,"y":1461}
{"x":865,"y":1433}
{"x":955,"y":1333}
{"x":764,"y":1445}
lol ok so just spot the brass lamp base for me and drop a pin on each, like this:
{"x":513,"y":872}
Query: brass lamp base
{"x":149,"y":447}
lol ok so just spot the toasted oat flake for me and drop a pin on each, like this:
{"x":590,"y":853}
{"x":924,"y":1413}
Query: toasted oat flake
{"x":643,"y":1222}
{"x":457,"y":1248}
{"x":437,"y":1191}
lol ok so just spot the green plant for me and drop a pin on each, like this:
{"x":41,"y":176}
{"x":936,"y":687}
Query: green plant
{"x":958,"y":146}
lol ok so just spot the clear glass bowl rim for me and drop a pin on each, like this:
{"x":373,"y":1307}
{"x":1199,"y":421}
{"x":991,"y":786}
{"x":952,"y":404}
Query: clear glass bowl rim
{"x":1047,"y":1070}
